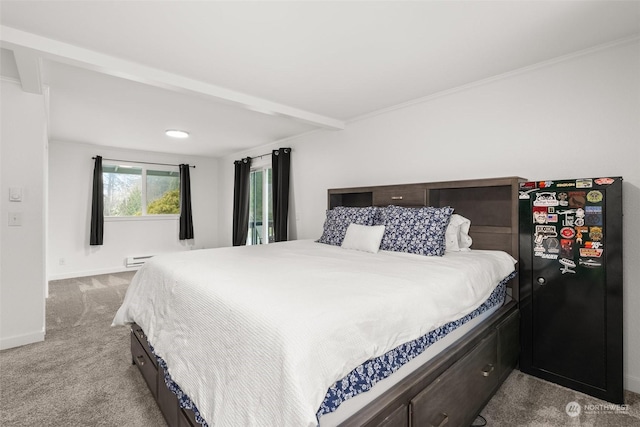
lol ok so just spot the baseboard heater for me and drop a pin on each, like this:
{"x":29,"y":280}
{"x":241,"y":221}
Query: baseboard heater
{"x":136,"y":261}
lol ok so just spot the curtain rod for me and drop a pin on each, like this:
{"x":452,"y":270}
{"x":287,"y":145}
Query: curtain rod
{"x":267,"y":154}
{"x":144,"y":163}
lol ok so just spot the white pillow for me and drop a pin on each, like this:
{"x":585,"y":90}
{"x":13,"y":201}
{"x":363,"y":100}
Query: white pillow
{"x":365,"y":238}
{"x":457,"y":234}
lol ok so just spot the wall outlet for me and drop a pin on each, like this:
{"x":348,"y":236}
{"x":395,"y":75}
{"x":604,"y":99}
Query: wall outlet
{"x":15,"y":219}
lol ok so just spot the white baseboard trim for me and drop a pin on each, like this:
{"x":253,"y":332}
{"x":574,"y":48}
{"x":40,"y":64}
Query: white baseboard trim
{"x":632,"y":383}
{"x":20,"y":340}
{"x":84,"y":273}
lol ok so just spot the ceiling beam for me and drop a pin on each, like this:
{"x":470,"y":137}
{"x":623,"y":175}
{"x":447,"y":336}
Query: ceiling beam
{"x":14,"y":39}
{"x":28,"y":64}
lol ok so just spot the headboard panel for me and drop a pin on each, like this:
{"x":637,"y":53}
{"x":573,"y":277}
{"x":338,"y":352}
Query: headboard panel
{"x":491,"y":204}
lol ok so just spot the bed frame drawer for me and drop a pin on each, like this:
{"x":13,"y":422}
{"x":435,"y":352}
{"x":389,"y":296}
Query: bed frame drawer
{"x":167,"y":401}
{"x":142,"y":359}
{"x":140,"y":336}
{"x":186,"y":418}
{"x":398,"y":418}
{"x":508,"y":345}
{"x":460,"y":391}
{"x":154,"y":377}
{"x":400,"y":197}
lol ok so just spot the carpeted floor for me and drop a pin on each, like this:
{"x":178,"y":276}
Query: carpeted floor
{"x":81,"y":375}
{"x":524,"y":400}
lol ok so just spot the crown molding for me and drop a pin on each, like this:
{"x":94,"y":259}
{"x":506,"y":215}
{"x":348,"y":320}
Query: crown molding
{"x":502,"y":76}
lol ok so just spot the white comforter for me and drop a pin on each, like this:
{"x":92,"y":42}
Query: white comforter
{"x":256,"y":335}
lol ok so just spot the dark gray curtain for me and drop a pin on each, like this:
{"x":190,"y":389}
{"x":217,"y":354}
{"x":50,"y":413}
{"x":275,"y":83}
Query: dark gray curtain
{"x":186,"y":220}
{"x":97,"y":205}
{"x":280,"y":165}
{"x":241,"y":201}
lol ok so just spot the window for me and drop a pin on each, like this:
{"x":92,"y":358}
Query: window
{"x":163,"y":192}
{"x":260,"y":206}
{"x":133,"y":190}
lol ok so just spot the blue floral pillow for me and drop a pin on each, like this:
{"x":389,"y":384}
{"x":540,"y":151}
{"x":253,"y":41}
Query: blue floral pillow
{"x":338,"y":220}
{"x":418,"y":231}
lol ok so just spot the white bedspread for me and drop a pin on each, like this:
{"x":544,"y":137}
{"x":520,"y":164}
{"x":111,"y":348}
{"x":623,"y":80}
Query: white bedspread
{"x":256,"y":335}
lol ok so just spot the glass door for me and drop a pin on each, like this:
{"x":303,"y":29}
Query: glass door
{"x":260,"y":207}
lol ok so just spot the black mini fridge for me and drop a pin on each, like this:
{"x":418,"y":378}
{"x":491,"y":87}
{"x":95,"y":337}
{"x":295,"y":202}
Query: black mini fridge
{"x":571,"y":284}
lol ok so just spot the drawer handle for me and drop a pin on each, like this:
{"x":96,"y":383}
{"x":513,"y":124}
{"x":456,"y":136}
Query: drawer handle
{"x":487,"y":370}
{"x":396,"y":197}
{"x":443,"y":421}
{"x":140,"y":360}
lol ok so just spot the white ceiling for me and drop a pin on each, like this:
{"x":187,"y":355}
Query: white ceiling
{"x":238,"y":75}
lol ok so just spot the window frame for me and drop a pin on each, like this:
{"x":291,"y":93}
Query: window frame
{"x":144,"y":216}
{"x":263,"y":165}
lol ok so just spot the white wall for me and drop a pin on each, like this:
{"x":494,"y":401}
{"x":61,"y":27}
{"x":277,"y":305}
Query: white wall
{"x":22,"y":261}
{"x":70,"y":184}
{"x":578,"y":117}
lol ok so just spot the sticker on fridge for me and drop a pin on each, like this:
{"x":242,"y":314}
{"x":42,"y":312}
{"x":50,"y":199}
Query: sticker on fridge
{"x":545,"y":199}
{"x":593,"y":215}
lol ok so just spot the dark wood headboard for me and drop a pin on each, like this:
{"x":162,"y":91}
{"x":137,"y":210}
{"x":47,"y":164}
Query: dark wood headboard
{"x":491,"y":204}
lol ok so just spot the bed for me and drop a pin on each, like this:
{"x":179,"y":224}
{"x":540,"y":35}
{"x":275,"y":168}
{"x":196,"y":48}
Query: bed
{"x":277,"y":374}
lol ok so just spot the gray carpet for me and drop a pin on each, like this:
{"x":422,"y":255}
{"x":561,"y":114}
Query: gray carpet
{"x":81,"y":375}
{"x":524,"y":400}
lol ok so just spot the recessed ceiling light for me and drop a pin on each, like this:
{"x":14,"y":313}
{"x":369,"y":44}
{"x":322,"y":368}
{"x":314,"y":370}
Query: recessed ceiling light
{"x":174,"y":133}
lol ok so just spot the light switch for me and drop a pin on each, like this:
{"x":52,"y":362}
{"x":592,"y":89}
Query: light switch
{"x":15,"y":219}
{"x":15,"y":194}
